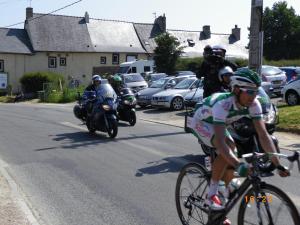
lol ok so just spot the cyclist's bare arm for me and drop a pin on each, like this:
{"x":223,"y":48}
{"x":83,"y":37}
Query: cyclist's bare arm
{"x":223,"y":148}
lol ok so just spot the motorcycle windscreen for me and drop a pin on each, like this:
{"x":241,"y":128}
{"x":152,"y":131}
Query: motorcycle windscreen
{"x":105,"y":91}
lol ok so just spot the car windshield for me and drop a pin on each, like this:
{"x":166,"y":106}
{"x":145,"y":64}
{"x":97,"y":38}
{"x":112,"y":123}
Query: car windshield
{"x":185,"y":84}
{"x":270,"y":71}
{"x":133,"y":78}
{"x":159,"y":83}
{"x":156,"y":77}
{"x":123,"y":69}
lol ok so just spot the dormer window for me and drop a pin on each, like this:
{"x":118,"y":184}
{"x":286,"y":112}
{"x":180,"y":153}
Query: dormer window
{"x":191,"y":43}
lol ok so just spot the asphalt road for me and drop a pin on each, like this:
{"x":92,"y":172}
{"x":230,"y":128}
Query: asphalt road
{"x":70,"y":177}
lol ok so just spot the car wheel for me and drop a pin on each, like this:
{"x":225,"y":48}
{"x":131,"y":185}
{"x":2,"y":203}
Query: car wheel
{"x":292,"y":98}
{"x":177,"y":103}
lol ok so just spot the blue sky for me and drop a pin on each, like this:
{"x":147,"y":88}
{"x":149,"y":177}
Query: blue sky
{"x":221,"y":15}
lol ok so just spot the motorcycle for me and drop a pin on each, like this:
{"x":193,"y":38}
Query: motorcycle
{"x":243,"y":131}
{"x":98,"y":109}
{"x":126,"y":107}
{"x":84,"y":104}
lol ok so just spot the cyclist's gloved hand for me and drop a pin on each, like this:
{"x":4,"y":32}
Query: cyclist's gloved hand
{"x":283,"y":171}
{"x":243,"y":169}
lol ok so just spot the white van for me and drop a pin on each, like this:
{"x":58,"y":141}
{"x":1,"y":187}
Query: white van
{"x":137,"y":66}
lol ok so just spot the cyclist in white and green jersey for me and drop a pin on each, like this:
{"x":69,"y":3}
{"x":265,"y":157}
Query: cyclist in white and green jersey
{"x":221,"y":109}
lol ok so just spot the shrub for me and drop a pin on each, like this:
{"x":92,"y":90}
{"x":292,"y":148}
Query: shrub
{"x":33,"y":82}
{"x":67,"y":95}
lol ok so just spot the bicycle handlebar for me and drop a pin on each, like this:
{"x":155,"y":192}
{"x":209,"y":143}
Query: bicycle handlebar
{"x":291,"y":158}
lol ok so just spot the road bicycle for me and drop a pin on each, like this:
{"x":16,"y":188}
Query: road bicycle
{"x":261,"y":203}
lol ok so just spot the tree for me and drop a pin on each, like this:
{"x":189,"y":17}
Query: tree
{"x":166,"y":53}
{"x":281,"y":32}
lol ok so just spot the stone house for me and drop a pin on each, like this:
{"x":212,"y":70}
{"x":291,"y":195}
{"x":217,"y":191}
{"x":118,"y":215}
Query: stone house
{"x":78,"y":47}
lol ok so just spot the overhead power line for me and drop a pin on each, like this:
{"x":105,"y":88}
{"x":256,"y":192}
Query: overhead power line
{"x":45,"y":14}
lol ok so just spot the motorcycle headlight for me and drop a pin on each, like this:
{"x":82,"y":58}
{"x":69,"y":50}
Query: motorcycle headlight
{"x":126,"y":102}
{"x":106,"y":107}
{"x":270,"y":117}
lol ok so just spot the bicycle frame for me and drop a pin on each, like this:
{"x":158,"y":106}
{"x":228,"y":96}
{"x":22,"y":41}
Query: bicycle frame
{"x":217,"y":217}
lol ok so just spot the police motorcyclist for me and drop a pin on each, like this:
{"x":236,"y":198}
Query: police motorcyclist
{"x":96,"y":81}
{"x":214,"y":60}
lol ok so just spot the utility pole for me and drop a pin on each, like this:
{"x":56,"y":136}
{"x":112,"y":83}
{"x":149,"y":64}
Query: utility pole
{"x":256,"y":36}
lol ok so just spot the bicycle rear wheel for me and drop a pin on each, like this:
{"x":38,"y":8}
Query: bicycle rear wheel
{"x":273,"y":205}
{"x":191,"y":189}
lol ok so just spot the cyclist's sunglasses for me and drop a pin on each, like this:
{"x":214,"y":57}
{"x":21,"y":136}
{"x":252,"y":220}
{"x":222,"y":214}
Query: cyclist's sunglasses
{"x":251,"y":92}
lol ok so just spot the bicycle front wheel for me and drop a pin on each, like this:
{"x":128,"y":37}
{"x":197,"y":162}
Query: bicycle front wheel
{"x":191,"y":189}
{"x":270,"y":207}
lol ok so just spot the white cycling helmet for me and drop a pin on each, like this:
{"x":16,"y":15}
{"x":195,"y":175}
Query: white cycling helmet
{"x":225,"y":71}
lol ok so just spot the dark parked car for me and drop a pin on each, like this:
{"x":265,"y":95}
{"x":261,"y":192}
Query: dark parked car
{"x":292,"y":72}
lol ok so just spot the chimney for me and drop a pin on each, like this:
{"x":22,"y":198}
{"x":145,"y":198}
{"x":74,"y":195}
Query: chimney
{"x":236,"y":32}
{"x":161,"y":21}
{"x":86,"y":17}
{"x":29,"y":13}
{"x":205,"y":33}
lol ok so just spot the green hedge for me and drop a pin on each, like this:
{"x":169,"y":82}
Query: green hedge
{"x":33,"y":82}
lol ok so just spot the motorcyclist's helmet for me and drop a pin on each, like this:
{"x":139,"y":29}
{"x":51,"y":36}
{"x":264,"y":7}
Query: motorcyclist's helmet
{"x":245,"y":78}
{"x":219,"y":50}
{"x":95,"y":78}
{"x":117,"y":78}
{"x":225,"y":71}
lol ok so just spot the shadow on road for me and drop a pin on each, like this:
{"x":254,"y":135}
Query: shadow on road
{"x":169,"y":165}
{"x":85,"y":139}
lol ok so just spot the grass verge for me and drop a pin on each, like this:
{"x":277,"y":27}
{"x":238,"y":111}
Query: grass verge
{"x":289,"y":119}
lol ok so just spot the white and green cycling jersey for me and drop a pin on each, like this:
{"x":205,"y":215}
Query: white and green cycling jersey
{"x":222,"y":108}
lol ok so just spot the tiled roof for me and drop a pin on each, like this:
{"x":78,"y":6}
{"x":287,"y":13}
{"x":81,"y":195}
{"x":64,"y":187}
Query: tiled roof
{"x":147,"y":33}
{"x":14,"y":41}
{"x":114,"y":36}
{"x":73,"y":34}
{"x":59,"y":33}
{"x":234,"y":48}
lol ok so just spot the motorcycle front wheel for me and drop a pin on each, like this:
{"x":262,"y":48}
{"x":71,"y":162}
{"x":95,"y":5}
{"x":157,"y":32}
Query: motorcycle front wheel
{"x":132,"y":118}
{"x":112,"y":130}
{"x":89,"y":126}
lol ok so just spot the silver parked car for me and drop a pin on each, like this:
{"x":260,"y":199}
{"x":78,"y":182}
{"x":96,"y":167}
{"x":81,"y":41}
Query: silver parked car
{"x":144,"y":96}
{"x":274,"y":75}
{"x":173,"y":98}
{"x":134,"y":81}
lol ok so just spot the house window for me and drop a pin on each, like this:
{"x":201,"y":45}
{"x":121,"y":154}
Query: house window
{"x":62,"y":61}
{"x":115,"y":58}
{"x":130,"y":58}
{"x":103,"y":60}
{"x":1,"y":65}
{"x":147,"y":68}
{"x":52,"y":62}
